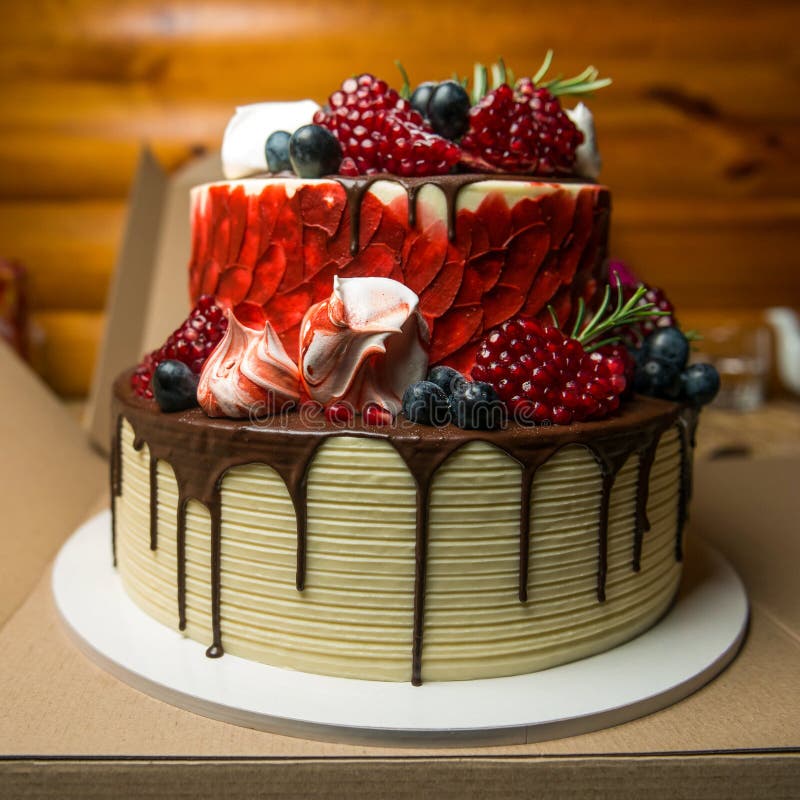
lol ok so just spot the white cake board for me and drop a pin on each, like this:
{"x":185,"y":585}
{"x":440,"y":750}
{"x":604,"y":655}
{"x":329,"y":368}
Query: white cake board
{"x":699,"y":636}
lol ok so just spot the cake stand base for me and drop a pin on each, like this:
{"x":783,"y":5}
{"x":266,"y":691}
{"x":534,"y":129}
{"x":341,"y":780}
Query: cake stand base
{"x":691,"y":644}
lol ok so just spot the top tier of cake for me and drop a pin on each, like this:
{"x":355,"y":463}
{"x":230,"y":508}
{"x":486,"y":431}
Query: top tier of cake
{"x":478,"y":250}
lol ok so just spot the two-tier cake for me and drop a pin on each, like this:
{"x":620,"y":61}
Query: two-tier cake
{"x":396,"y":439}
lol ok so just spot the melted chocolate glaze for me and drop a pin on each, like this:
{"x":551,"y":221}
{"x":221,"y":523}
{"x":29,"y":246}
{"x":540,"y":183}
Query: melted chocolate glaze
{"x":201,"y":450}
{"x":450,"y":185}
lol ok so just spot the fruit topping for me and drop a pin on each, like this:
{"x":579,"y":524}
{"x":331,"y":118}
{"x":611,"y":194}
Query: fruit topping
{"x":314,"y":151}
{"x":700,"y":384}
{"x":421,"y":97}
{"x":277,"y":151}
{"x":373,"y":414}
{"x":543,"y":375}
{"x":658,"y":379}
{"x":620,"y":275}
{"x":446,"y":378}
{"x":381,"y":132}
{"x":669,"y":346}
{"x":508,"y":133}
{"x":174,"y":386}
{"x":426,"y":403}
{"x":627,"y":358}
{"x":524,"y":129}
{"x":191,"y":344}
{"x":340,"y":413}
{"x":476,"y":406}
{"x":661,"y":369}
{"x":448,"y":108}
{"x":547,"y":376}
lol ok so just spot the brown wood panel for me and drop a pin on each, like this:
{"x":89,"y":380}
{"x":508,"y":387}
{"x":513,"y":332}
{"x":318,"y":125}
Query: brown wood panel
{"x":700,"y":132}
{"x":64,"y":348}
{"x":68,"y":246}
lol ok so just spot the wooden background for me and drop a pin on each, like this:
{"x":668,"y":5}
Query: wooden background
{"x":700,"y":132}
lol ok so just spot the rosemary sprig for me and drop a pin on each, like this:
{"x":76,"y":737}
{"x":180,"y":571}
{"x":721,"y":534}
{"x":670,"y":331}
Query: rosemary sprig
{"x":498,"y":73}
{"x":542,"y":71}
{"x":480,"y":83}
{"x":486,"y":79}
{"x":592,"y":335}
{"x":405,"y":89}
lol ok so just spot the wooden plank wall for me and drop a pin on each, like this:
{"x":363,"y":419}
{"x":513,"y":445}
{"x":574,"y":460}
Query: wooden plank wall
{"x":700,"y":132}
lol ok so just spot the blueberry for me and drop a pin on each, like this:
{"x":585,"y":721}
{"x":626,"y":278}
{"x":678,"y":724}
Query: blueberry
{"x":639,"y":354}
{"x":669,"y":346}
{"x":421,"y":97}
{"x":448,"y":109}
{"x":700,"y":383}
{"x":426,"y":403}
{"x":314,"y":151}
{"x":446,"y":378}
{"x":657,"y":379}
{"x":174,"y":386}
{"x":277,"y":150}
{"x":475,"y":406}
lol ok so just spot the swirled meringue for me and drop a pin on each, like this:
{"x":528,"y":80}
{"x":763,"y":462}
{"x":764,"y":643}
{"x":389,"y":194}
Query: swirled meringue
{"x":364,"y":344}
{"x":587,"y":157}
{"x":243,"y":144}
{"x":247,"y":371}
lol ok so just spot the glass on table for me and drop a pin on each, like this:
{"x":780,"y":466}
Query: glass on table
{"x":741,"y":354}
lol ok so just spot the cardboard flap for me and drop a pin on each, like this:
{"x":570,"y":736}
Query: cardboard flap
{"x":50,"y":476}
{"x":129,"y":294}
{"x":169,"y":289}
{"x":149,"y":295}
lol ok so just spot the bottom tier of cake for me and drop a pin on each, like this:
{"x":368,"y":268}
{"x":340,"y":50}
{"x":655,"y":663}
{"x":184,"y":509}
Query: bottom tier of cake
{"x":512,"y":552}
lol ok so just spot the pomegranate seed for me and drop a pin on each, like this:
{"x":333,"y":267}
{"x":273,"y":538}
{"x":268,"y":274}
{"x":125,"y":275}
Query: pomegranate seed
{"x":373,"y":414}
{"x":342,"y":413}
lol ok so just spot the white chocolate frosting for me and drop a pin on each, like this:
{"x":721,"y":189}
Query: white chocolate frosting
{"x":355,"y":616}
{"x":248,"y":371}
{"x":365,"y":344}
{"x":245,"y":139}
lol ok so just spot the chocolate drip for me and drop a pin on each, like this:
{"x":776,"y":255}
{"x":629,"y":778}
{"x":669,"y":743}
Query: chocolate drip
{"x":115,"y":464}
{"x":610,"y":457}
{"x":450,"y":186}
{"x":529,"y":468}
{"x":641,"y":522}
{"x":215,"y":508}
{"x":412,"y":191}
{"x":201,"y":450}
{"x":180,"y":547}
{"x":420,"y":569}
{"x":297,"y":485}
{"x":355,"y":190}
{"x":153,"y":501}
{"x":687,"y":427}
{"x":526,"y":486}
{"x":423,"y":464}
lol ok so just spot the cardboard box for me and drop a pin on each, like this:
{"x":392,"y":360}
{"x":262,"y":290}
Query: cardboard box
{"x":68,"y":729}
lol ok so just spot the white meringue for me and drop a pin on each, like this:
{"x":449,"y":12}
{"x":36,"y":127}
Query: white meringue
{"x":365,"y":344}
{"x":587,"y":157}
{"x":248,"y":371}
{"x":245,"y":139}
